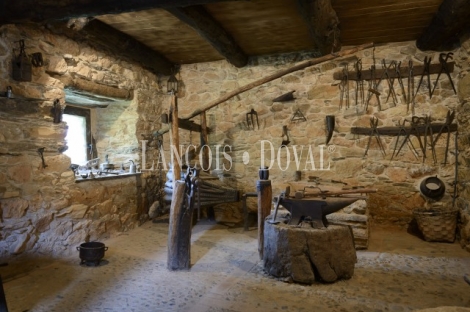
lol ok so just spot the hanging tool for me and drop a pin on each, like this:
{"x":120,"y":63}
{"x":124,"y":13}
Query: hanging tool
{"x":284,"y":133}
{"x":428,"y":133}
{"x":413,"y":128}
{"x":289,"y":96}
{"x":344,"y":88}
{"x":251,"y":117}
{"x":427,"y":63}
{"x":390,"y":81}
{"x":298,"y":116}
{"x":401,"y":131}
{"x":374,"y":121}
{"x":373,"y":85}
{"x":400,"y":81}
{"x":359,"y":81}
{"x":411,"y":87}
{"x":443,"y":57}
{"x":456,"y":174}
{"x":41,"y":153}
{"x":446,"y":126}
{"x":330,"y":127}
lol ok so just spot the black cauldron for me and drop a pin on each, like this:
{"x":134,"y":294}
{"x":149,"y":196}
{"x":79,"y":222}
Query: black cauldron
{"x":91,"y":253}
{"x":432,"y":188}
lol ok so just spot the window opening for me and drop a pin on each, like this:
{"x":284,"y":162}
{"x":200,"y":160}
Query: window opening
{"x":78,"y":136}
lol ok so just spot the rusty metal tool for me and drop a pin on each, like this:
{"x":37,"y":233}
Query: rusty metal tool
{"x":427,"y":63}
{"x":413,"y":128}
{"x":359,"y":81}
{"x":446,"y":126}
{"x":428,"y":133}
{"x":374,"y":121}
{"x":41,"y":153}
{"x":443,"y":57}
{"x":400,"y":81}
{"x":373,"y":86}
{"x":251,"y":117}
{"x":390,"y":81}
{"x":344,"y":88}
{"x":403,"y":131}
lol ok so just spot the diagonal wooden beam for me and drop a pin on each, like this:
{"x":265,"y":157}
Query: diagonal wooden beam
{"x":106,"y":38}
{"x":451,"y":20}
{"x":323,"y":24}
{"x":205,"y":25}
{"x":12,"y":11}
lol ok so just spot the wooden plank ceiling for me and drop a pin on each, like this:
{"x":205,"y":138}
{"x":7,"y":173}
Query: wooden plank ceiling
{"x":263,"y":27}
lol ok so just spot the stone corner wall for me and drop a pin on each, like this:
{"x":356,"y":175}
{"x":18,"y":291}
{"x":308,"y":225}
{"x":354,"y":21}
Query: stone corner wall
{"x":42,"y":208}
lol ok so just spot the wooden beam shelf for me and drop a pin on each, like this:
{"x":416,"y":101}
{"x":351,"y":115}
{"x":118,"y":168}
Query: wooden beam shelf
{"x":415,"y":130}
{"x":404,"y":71}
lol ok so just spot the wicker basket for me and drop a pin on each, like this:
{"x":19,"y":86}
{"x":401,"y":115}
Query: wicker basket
{"x":437,"y":225}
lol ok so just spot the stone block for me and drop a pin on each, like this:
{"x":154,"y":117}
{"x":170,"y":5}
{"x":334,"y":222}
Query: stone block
{"x":306,"y":255}
{"x":14,"y":208}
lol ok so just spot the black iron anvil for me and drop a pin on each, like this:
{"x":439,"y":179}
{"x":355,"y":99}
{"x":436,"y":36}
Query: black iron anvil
{"x":314,"y":208}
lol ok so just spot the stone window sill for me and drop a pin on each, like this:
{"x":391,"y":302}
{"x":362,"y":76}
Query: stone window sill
{"x":107,"y":177}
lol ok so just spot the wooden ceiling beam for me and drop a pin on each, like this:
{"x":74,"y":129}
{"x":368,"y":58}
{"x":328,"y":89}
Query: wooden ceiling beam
{"x":106,"y":38}
{"x":323,"y":24}
{"x":450,"y":21}
{"x":44,"y":10}
{"x":208,"y":28}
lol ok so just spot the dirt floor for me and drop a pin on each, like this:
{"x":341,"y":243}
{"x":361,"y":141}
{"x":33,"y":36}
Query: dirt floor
{"x":399,"y":272}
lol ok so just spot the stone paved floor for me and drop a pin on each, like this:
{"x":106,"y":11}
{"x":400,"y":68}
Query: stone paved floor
{"x":399,"y":272}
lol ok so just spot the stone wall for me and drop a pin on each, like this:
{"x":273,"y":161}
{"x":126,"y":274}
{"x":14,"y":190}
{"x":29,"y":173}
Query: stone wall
{"x":316,"y":96}
{"x":43,"y":210}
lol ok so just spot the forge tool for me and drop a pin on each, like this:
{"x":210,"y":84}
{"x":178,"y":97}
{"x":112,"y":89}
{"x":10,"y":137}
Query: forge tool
{"x":412,"y":129}
{"x":390,"y":81}
{"x":443,"y":57}
{"x":400,"y":81}
{"x":359,"y":82}
{"x":426,"y":72}
{"x":407,"y":139}
{"x":374,"y":121}
{"x":372,"y":88}
{"x":456,"y":173}
{"x":446,"y":126}
{"x":428,"y":133}
{"x":251,"y":117}
{"x":344,"y":88}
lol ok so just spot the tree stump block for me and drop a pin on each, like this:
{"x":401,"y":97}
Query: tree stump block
{"x":305,"y":255}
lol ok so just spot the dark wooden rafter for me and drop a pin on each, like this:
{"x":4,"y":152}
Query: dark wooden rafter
{"x":323,"y":24}
{"x":104,"y":37}
{"x":44,"y":10}
{"x":207,"y":27}
{"x":450,"y":21}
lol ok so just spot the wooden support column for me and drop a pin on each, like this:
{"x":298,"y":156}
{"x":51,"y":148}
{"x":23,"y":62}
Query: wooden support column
{"x":265,"y":192}
{"x":174,"y":140}
{"x":204,"y":143}
{"x":179,"y":230}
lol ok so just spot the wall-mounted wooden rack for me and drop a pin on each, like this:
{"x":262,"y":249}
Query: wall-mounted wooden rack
{"x":416,"y":130}
{"x":404,"y":71}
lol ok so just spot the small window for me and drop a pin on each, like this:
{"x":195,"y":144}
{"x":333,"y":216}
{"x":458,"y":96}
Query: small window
{"x":78,"y":136}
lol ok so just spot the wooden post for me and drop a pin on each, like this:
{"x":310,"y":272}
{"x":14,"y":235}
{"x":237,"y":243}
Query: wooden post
{"x":204,"y":143}
{"x":264,"y":190}
{"x":174,"y":140}
{"x":179,"y":231}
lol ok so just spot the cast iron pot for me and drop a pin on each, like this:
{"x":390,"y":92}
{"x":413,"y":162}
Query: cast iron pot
{"x":433,"y":188}
{"x":91,"y":252}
